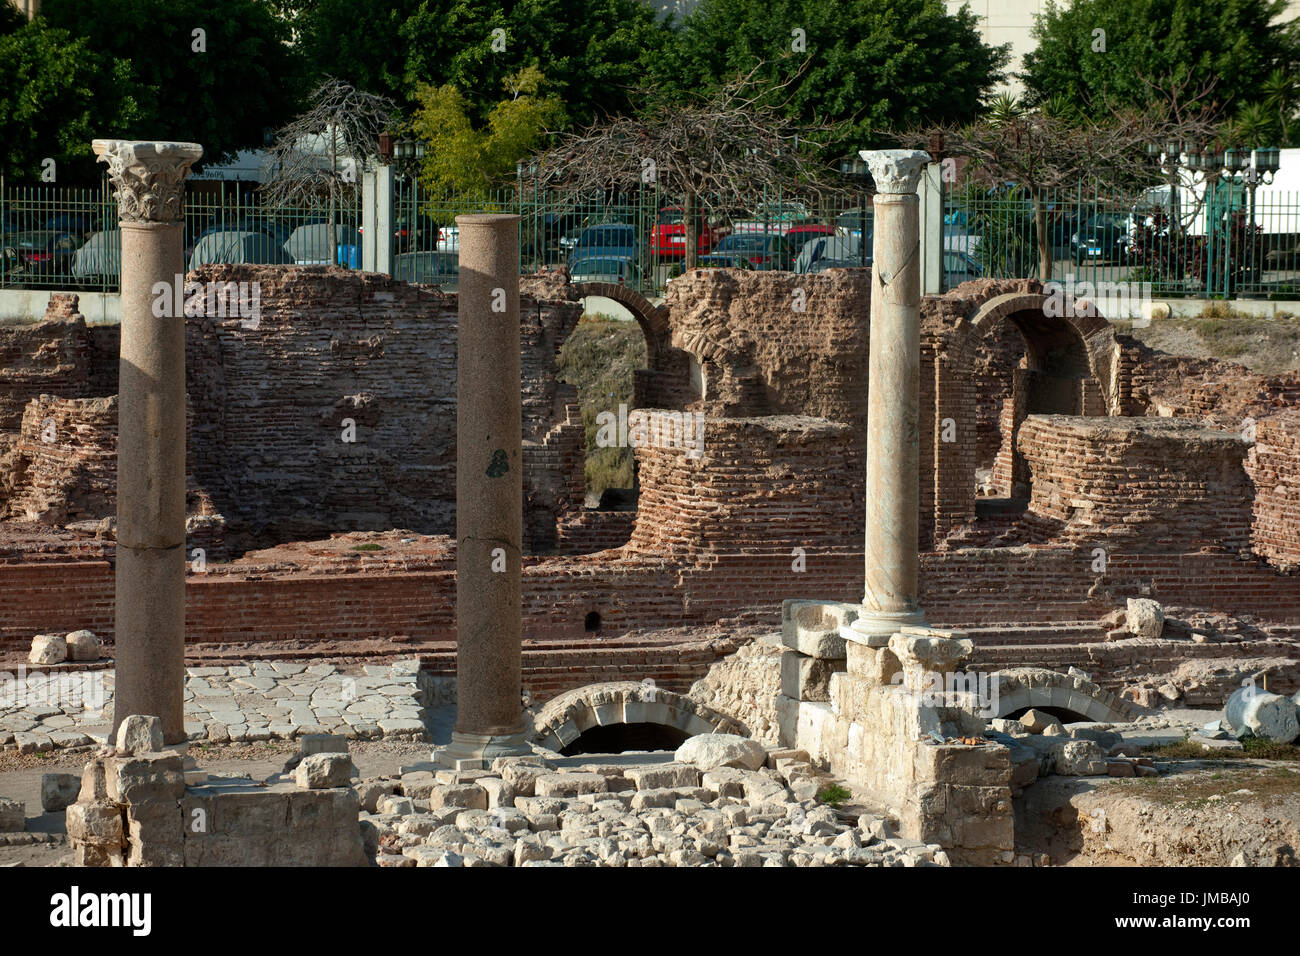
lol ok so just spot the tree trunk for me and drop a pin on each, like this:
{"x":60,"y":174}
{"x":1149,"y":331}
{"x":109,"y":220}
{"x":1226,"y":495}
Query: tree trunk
{"x":692,"y":231}
{"x":1044,"y":239}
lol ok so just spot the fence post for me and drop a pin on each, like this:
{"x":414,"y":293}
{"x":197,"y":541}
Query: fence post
{"x":931,"y":216}
{"x":377,"y":219}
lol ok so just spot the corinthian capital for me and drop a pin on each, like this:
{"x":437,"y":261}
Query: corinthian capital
{"x":149,"y":178}
{"x":895,"y":170}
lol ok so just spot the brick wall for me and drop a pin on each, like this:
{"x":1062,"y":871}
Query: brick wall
{"x":64,"y":466}
{"x":1275,"y":469}
{"x":1144,"y":484}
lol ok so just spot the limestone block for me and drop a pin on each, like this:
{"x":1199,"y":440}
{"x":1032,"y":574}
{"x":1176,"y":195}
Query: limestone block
{"x":83,"y":646}
{"x":102,"y":824}
{"x":1145,"y":618}
{"x":877,"y":665}
{"x":988,"y":765}
{"x":931,"y":649}
{"x":664,"y":775}
{"x":156,"y":834}
{"x":808,"y":678}
{"x":499,"y":792}
{"x":467,"y":795}
{"x":419,"y":784}
{"x":709,"y":751}
{"x":322,"y":743}
{"x":1250,"y":712}
{"x":1037,"y":721}
{"x":140,"y":734}
{"x":812,"y":627}
{"x":321,"y":770}
{"x":89,"y":854}
{"x":371,"y":791}
{"x":394,"y":804}
{"x":569,"y":784}
{"x":94,"y":781}
{"x":59,"y":790}
{"x":523,"y":777}
{"x":331,"y":809}
{"x":1079,"y":758}
{"x":140,"y":779}
{"x":724,"y":781}
{"x":48,"y":649}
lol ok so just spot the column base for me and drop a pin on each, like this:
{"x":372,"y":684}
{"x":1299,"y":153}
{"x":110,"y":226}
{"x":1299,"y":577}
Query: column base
{"x":875,"y":628}
{"x":477,"y":751}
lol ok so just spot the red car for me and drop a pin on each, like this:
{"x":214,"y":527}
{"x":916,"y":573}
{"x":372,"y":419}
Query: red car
{"x":668,"y":238}
{"x":796,"y":236}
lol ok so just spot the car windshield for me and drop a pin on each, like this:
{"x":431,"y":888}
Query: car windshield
{"x":608,"y":236}
{"x":609,"y":267}
{"x":671,"y":217}
{"x":743,"y":244}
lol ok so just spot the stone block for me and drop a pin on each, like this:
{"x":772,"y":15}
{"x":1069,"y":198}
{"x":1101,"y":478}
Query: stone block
{"x":988,"y":765}
{"x":499,"y":792}
{"x":1037,"y":721}
{"x":241,"y":811}
{"x":710,"y":751}
{"x":83,"y":646}
{"x":156,"y":834}
{"x":394,"y":804}
{"x":59,"y":790}
{"x":319,"y":771}
{"x":672,"y":775}
{"x":876,"y":665}
{"x":523,"y":777}
{"x":48,"y":649}
{"x":1145,"y":618}
{"x":140,"y":779}
{"x":570,"y":784}
{"x":370,"y":792}
{"x":322,"y":743}
{"x":724,"y":781}
{"x":140,"y":734}
{"x":89,"y":854}
{"x":324,"y":809}
{"x":807,"y":678}
{"x":813,"y":627}
{"x":419,"y":784}
{"x":101,"y":824}
{"x":467,"y":795}
{"x":94,"y":781}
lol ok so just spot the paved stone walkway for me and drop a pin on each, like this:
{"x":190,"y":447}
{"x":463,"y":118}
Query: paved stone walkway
{"x":261,"y":700}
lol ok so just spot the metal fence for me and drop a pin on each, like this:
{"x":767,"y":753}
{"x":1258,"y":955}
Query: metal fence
{"x":1224,"y":240}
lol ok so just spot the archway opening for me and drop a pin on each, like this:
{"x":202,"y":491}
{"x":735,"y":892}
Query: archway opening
{"x":619,"y":738}
{"x":1063,"y":714}
{"x":591,"y":623}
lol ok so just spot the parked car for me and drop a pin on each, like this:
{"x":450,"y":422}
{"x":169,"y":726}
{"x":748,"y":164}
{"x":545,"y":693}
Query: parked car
{"x":429,"y":268}
{"x":668,"y":237}
{"x":239,"y":246}
{"x":100,"y":257}
{"x":777,"y":218}
{"x":958,"y":267}
{"x":314,"y":245}
{"x":797,"y":235}
{"x":40,"y":254}
{"x":1101,"y":238}
{"x":836,"y":248}
{"x":416,"y":233}
{"x":449,"y":239}
{"x":851,"y":221}
{"x":621,"y":270}
{"x":610,"y":239}
{"x":759,"y":250}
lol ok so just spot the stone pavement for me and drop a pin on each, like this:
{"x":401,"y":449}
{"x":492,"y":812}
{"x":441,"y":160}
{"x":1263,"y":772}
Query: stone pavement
{"x":260,"y":700}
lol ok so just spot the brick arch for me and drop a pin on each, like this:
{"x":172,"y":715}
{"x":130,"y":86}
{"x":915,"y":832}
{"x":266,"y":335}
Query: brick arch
{"x":1023,"y":687}
{"x":565,"y":718}
{"x":1025,"y":310}
{"x":652,"y":318}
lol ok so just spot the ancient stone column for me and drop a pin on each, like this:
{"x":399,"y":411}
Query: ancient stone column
{"x":149,"y":601}
{"x":489,"y":496}
{"x":893,"y":412}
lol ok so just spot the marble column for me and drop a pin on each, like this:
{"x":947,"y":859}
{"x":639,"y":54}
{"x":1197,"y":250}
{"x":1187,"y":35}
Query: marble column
{"x":149,"y":599}
{"x":489,"y":496}
{"x":892,"y":494}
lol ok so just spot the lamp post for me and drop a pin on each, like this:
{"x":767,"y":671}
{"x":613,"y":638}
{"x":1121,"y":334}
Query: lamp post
{"x":1248,"y":168}
{"x":523,"y":169}
{"x":407,"y":154}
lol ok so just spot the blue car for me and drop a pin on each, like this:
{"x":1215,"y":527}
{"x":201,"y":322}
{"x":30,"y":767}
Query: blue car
{"x":616,"y":240}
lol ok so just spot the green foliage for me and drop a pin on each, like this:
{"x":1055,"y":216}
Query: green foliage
{"x":599,"y":359}
{"x":1229,"y":43}
{"x":466,"y":159}
{"x":222,"y":98}
{"x":834,"y":795}
{"x":368,"y":546}
{"x":56,"y":95}
{"x":866,"y":65}
{"x":1004,"y":220}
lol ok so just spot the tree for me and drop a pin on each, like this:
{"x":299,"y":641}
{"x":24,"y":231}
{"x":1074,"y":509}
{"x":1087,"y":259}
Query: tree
{"x":220,"y":87}
{"x":466,"y":159}
{"x":1099,"y":50}
{"x":56,"y":95}
{"x":864,"y":64}
{"x":307,"y":157}
{"x":725,"y":145}
{"x":1043,"y":149}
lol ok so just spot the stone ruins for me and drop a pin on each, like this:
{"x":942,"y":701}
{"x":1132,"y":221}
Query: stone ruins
{"x":847,"y":625}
